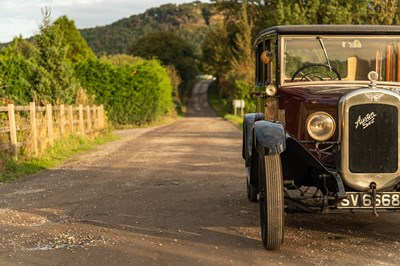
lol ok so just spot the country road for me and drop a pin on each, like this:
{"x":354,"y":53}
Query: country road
{"x":172,"y":195}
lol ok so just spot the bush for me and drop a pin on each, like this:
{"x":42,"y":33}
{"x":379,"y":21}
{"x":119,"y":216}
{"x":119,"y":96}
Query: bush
{"x":133,"y":93}
{"x":15,"y":73}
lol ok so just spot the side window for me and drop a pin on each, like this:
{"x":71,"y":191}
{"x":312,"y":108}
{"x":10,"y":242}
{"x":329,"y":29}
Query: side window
{"x":265,"y":63}
{"x":270,"y":70}
{"x":260,"y":77}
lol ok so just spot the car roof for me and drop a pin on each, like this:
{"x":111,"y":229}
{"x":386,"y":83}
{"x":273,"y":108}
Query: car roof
{"x":332,"y":29}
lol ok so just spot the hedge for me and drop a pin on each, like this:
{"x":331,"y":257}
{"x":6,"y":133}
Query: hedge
{"x":134,"y":93}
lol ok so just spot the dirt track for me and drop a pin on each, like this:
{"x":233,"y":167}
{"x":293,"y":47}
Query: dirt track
{"x":172,"y":195}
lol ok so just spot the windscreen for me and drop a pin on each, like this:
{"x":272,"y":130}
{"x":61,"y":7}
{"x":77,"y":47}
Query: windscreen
{"x":347,"y":58}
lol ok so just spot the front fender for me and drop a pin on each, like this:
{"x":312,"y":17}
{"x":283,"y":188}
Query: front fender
{"x":248,"y":124}
{"x":270,"y":137}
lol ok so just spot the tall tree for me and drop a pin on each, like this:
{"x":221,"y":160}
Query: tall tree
{"x":227,"y":52}
{"x":228,"y":45}
{"x":216,"y":54}
{"x":54,"y":80}
{"x":77,"y":48}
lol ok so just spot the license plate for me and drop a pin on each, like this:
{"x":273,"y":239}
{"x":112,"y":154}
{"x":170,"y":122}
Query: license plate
{"x":383,"y":200}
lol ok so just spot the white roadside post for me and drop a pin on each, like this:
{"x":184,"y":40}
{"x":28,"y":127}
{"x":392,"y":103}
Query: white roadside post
{"x":238,"y":103}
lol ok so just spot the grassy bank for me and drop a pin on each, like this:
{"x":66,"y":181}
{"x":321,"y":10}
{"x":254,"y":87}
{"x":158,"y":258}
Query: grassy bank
{"x":61,"y":151}
{"x":222,"y":108}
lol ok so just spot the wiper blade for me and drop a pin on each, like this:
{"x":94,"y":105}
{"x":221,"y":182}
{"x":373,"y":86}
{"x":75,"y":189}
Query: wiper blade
{"x":321,"y":42}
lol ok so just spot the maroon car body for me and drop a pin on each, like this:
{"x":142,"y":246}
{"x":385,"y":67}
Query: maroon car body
{"x":325,"y":136}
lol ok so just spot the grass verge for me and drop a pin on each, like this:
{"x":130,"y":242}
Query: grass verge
{"x":61,"y":150}
{"x":221,"y":107}
{"x":235,"y":119}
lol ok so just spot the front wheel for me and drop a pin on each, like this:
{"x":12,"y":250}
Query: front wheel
{"x":271,"y":201}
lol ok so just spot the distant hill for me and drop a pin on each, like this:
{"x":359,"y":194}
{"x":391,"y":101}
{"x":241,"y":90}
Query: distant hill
{"x":189,"y":20}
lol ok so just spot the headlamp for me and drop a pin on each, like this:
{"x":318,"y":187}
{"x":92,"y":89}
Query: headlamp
{"x":320,"y":126}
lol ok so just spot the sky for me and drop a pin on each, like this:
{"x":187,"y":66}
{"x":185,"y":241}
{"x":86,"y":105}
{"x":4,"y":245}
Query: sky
{"x":23,"y":17}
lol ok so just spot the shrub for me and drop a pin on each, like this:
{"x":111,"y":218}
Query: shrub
{"x":137,"y":92}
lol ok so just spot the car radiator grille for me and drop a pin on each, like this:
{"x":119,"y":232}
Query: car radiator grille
{"x":373,"y":136}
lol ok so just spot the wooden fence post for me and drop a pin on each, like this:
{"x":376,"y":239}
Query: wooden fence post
{"x":32,"y":114}
{"x":81,"y":122}
{"x":13,"y":131}
{"x":95,"y":117}
{"x":62,"y":120}
{"x":102,"y":116}
{"x":70,"y":116}
{"x":89,"y":119}
{"x":49,"y":115}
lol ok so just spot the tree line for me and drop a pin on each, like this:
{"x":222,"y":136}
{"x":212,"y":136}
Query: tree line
{"x":189,"y":21}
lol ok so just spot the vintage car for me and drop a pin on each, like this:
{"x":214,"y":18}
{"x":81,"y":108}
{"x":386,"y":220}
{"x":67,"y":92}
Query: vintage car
{"x":325,"y":136}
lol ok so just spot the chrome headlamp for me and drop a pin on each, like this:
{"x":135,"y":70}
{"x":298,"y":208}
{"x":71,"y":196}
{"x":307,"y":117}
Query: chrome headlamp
{"x":320,"y":126}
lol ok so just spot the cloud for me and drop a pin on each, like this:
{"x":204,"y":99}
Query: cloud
{"x":12,"y":27}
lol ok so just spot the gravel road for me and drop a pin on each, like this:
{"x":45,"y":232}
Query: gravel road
{"x":172,"y":195}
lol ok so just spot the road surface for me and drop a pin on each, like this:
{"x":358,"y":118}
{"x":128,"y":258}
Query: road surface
{"x":172,"y":195}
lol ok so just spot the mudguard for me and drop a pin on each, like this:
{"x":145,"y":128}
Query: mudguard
{"x":270,"y":137}
{"x":248,"y":124}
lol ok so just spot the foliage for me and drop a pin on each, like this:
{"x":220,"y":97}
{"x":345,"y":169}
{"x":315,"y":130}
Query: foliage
{"x":62,"y":150}
{"x":237,"y":120}
{"x":134,"y":93}
{"x":175,"y":82}
{"x":41,"y":69}
{"x":189,"y":21}
{"x":18,"y":46}
{"x":170,"y":49}
{"x":53,"y":80}
{"x":216,"y":56}
{"x":57,"y":66}
{"x":16,"y":71}
{"x":384,"y":12}
{"x":217,"y":103}
{"x":77,"y":48}
{"x":227,"y":54}
{"x":227,"y":49}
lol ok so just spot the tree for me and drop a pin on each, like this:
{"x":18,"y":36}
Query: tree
{"x":336,"y":12}
{"x":170,"y":49}
{"x":384,"y":12}
{"x":16,"y":71}
{"x":227,"y":49}
{"x":77,"y":48}
{"x":227,"y":53}
{"x":15,"y":75}
{"x":54,"y":80}
{"x":19,"y":46}
{"x":216,"y":56}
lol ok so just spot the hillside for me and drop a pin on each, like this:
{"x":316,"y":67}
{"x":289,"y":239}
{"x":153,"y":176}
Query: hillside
{"x":189,"y":20}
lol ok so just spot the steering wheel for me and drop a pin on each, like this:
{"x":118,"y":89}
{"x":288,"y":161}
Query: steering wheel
{"x":316,"y":75}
